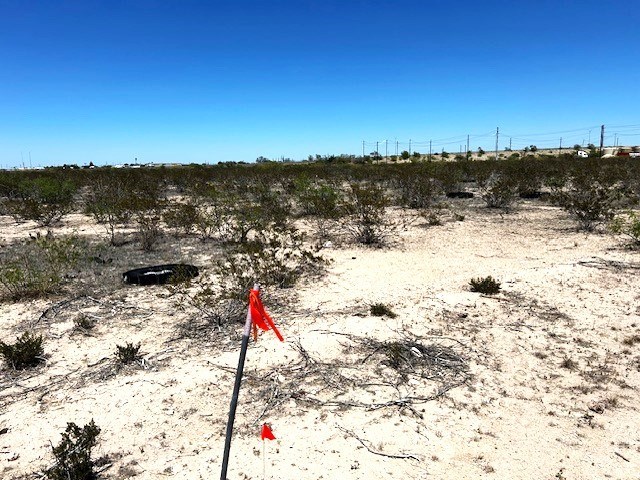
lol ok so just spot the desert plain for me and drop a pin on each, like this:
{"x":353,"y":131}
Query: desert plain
{"x":538,"y":381}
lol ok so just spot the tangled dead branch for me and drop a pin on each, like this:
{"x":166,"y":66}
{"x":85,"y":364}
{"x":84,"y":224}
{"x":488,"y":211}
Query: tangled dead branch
{"x":403,"y":373}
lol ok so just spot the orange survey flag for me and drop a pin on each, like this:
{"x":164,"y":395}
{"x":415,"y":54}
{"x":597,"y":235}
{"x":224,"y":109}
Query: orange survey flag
{"x":267,"y":433}
{"x":259,"y":315}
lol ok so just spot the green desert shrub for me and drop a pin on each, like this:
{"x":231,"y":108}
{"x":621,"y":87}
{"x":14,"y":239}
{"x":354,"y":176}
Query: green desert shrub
{"x":182,"y":217}
{"x":417,"y":189}
{"x":486,"y":285}
{"x":72,"y":456}
{"x":26,"y":352}
{"x":590,"y":199}
{"x":44,"y":200}
{"x":39,"y":266}
{"x":114,"y":199}
{"x":148,"y":229}
{"x":628,"y":225}
{"x":498,"y":190}
{"x":274,"y":258}
{"x":319,"y":200}
{"x":366,"y":206}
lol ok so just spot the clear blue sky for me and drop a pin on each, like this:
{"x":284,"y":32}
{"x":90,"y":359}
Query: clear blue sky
{"x":206,"y":81}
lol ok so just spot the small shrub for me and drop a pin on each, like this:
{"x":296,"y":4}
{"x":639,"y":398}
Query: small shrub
{"x":73,"y":454}
{"x":486,"y":285}
{"x":498,"y":191}
{"x":569,"y":364}
{"x":591,"y":200}
{"x":84,"y":323}
{"x":128,"y":353}
{"x":275,"y":258}
{"x":417,"y":190}
{"x":26,"y":352}
{"x":182,"y":217}
{"x":632,"y":340}
{"x":432,"y":218}
{"x":149,"y":231}
{"x":39,"y":266}
{"x":381,"y":310}
{"x":366,"y":208}
{"x":319,"y":200}
{"x":628,"y":226}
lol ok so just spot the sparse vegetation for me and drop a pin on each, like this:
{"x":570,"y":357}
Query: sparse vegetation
{"x":244,"y":224}
{"x":39,"y":266}
{"x":569,"y":364}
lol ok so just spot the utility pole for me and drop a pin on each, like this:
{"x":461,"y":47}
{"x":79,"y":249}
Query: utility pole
{"x":467,"y":152}
{"x":497,"y":134}
{"x":509,"y":143}
{"x":386,"y":148}
{"x":429,"y":150}
{"x":363,"y":148}
{"x":30,"y":166}
{"x":396,"y":148}
{"x":409,"y":146}
{"x":601,"y":139}
{"x":560,"y":150}
{"x":377,"y":152}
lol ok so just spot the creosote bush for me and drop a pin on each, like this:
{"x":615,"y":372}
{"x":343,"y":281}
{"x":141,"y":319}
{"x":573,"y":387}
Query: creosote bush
{"x":381,"y":310}
{"x":627,"y":225}
{"x":498,"y":190}
{"x":39,"y":266}
{"x":26,"y":352}
{"x":590,"y":199}
{"x":72,"y":456}
{"x":44,"y":199}
{"x":366,"y":204}
{"x":486,"y":285}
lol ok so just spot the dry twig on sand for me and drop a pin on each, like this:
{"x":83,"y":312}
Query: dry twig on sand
{"x":375,"y":452}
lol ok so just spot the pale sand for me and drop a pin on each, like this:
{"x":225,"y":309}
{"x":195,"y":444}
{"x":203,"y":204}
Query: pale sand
{"x":521,"y":415}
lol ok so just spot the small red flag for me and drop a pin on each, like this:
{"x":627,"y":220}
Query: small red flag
{"x":259,"y":315}
{"x":267,"y":433}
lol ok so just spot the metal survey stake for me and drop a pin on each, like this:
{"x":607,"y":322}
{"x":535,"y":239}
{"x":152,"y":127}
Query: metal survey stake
{"x":236,"y":391}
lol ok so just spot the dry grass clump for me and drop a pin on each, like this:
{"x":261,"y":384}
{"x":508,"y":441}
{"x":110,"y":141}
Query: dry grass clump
{"x":126,"y":354}
{"x":486,"y":285}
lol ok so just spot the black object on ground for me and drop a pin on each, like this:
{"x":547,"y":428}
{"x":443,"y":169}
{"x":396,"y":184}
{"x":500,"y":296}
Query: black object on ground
{"x":160,"y":274}
{"x":459,"y":195}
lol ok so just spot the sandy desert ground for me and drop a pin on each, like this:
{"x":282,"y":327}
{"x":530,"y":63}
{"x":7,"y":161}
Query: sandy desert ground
{"x":537,"y":382}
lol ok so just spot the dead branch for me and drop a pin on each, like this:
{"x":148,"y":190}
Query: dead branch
{"x":375,"y":452}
